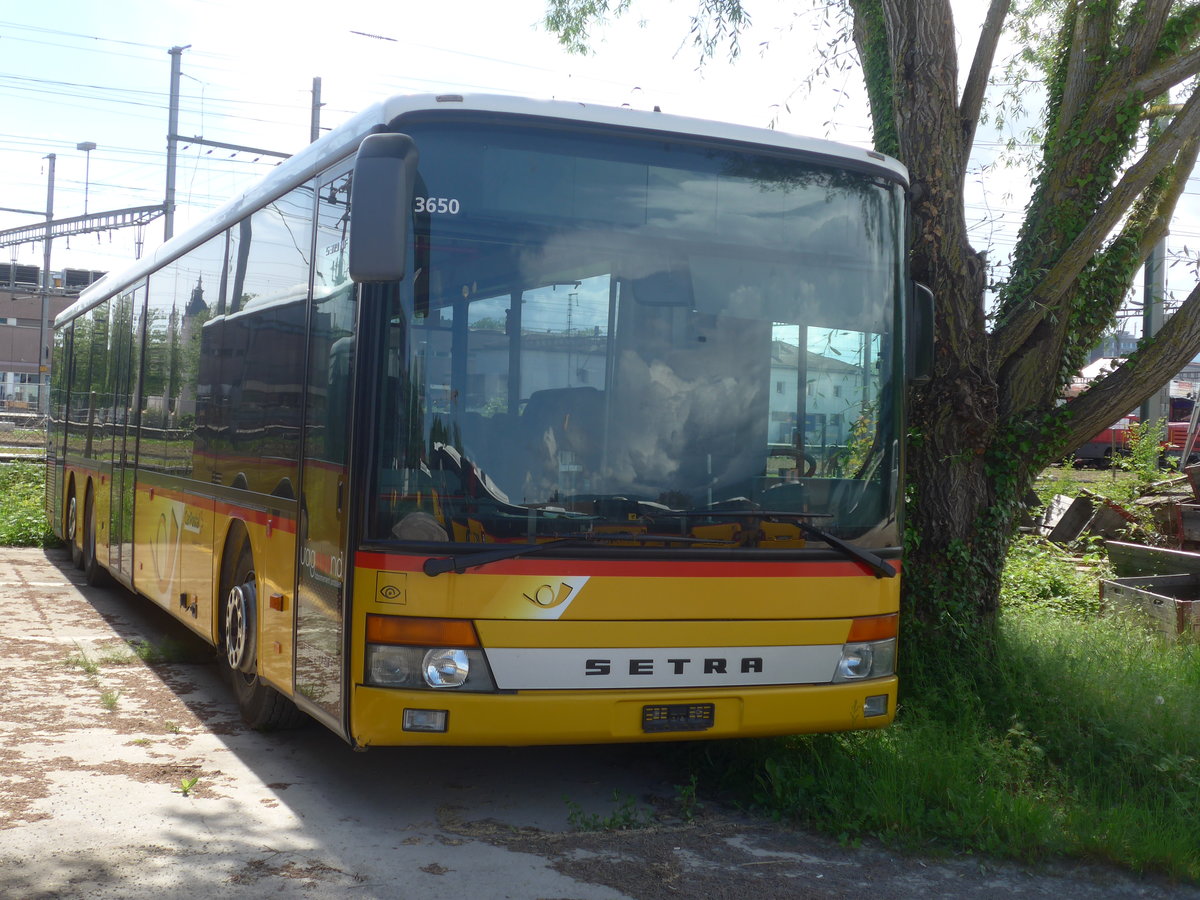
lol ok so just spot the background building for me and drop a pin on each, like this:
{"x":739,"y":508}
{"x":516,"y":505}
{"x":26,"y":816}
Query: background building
{"x":20,"y":327}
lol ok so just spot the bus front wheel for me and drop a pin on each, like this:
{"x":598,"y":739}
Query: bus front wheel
{"x":262,"y":707}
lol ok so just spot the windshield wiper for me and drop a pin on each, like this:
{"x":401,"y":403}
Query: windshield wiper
{"x":734,"y":514}
{"x":877,"y":564}
{"x":439,"y":565}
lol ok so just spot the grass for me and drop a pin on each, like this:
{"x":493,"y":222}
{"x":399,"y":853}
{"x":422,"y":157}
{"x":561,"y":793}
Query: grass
{"x":81,"y":660}
{"x":32,"y":439}
{"x":167,"y":650}
{"x":626,"y":815}
{"x":22,"y":510}
{"x":1078,"y":737}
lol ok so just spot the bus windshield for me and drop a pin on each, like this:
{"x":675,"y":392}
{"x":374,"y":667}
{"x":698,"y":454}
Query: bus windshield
{"x":628,"y":335}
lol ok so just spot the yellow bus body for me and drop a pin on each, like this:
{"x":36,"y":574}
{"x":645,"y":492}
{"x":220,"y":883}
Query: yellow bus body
{"x":623,"y":605}
{"x":649,"y":605}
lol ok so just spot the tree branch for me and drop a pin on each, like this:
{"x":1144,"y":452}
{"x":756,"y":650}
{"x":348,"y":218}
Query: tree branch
{"x":1147,"y":224}
{"x":1086,"y":61}
{"x":981,"y":66}
{"x":1143,"y":29}
{"x":1008,"y":337}
{"x":870,"y":38}
{"x":1136,"y":379}
{"x":1161,"y":78}
{"x":1103,"y":283}
{"x":569,"y":20}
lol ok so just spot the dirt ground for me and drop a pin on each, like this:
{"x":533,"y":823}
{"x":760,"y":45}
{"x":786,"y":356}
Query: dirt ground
{"x":120,"y":778}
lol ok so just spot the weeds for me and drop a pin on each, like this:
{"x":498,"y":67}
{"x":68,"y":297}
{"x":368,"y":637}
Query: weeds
{"x":188,"y":784}
{"x":686,"y":800}
{"x":1042,"y":575}
{"x":1145,"y":452}
{"x":91,"y":668}
{"x":167,"y":650}
{"x":81,"y":660}
{"x":626,"y":815}
{"x":22,"y":506}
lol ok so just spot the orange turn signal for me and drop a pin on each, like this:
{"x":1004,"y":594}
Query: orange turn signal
{"x":876,"y":628}
{"x":421,"y":632}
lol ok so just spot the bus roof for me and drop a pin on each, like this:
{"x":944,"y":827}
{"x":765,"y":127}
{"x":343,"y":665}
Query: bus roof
{"x":342,"y":142}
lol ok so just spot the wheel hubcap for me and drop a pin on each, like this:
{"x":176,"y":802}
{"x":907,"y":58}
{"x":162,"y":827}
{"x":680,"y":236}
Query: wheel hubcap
{"x":237,"y":616}
{"x":71,"y":518}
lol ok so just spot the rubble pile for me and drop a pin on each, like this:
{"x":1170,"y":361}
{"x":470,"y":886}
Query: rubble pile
{"x":1153,"y":546}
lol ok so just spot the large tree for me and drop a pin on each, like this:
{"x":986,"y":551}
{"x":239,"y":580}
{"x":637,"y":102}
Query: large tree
{"x":1114,"y":157}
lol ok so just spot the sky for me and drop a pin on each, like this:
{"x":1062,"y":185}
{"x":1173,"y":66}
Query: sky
{"x":74,"y":71}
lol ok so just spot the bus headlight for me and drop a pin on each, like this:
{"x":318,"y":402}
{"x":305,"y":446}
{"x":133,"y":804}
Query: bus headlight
{"x":422,"y":668}
{"x":394,"y":666}
{"x":446,"y":667}
{"x":419,"y":654}
{"x":869,"y":659}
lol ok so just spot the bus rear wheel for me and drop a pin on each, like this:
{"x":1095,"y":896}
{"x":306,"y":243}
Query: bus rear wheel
{"x":93,"y":573}
{"x":262,"y":707}
{"x":71,"y":528}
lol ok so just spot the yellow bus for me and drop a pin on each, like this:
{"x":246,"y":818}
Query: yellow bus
{"x":485,"y":420}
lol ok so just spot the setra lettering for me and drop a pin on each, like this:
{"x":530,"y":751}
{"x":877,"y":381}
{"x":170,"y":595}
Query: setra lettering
{"x":597,"y":667}
{"x":679,"y":665}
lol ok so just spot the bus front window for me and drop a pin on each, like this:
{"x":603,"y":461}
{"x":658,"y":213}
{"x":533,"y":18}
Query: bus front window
{"x":708,"y":356}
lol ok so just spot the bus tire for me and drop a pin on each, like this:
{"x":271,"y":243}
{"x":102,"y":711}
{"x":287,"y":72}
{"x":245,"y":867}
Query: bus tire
{"x":71,"y":528}
{"x":93,"y":573}
{"x":262,"y":707}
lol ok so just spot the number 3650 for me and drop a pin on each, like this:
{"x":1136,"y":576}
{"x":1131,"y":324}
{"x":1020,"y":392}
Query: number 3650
{"x":437,"y":205}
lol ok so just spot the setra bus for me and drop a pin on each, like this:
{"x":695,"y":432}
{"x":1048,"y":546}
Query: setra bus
{"x":485,"y":420}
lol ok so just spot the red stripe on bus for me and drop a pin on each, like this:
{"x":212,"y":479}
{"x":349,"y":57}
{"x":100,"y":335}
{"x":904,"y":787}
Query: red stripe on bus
{"x":197,"y":500}
{"x":256,"y":516}
{"x":277,"y":521}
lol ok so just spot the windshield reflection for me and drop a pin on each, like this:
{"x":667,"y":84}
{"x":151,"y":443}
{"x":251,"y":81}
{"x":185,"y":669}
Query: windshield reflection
{"x":550,"y":380}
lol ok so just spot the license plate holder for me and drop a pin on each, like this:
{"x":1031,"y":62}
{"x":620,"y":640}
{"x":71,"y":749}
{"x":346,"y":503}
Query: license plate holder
{"x":678,"y":717}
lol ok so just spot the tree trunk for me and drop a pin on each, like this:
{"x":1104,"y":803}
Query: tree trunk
{"x":959,"y":533}
{"x":958,"y":530}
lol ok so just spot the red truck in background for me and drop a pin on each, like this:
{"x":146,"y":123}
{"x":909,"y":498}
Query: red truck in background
{"x":1113,"y":441}
{"x":1110,"y":443}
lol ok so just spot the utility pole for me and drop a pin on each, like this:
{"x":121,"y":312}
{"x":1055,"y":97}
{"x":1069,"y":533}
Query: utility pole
{"x":1154,"y":288}
{"x":43,"y":350}
{"x":314,"y":130}
{"x":87,"y":147}
{"x":172,"y":132}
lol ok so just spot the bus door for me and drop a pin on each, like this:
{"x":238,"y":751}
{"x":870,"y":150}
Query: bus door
{"x":324,"y":497}
{"x":56,"y":428}
{"x":125,"y":356}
